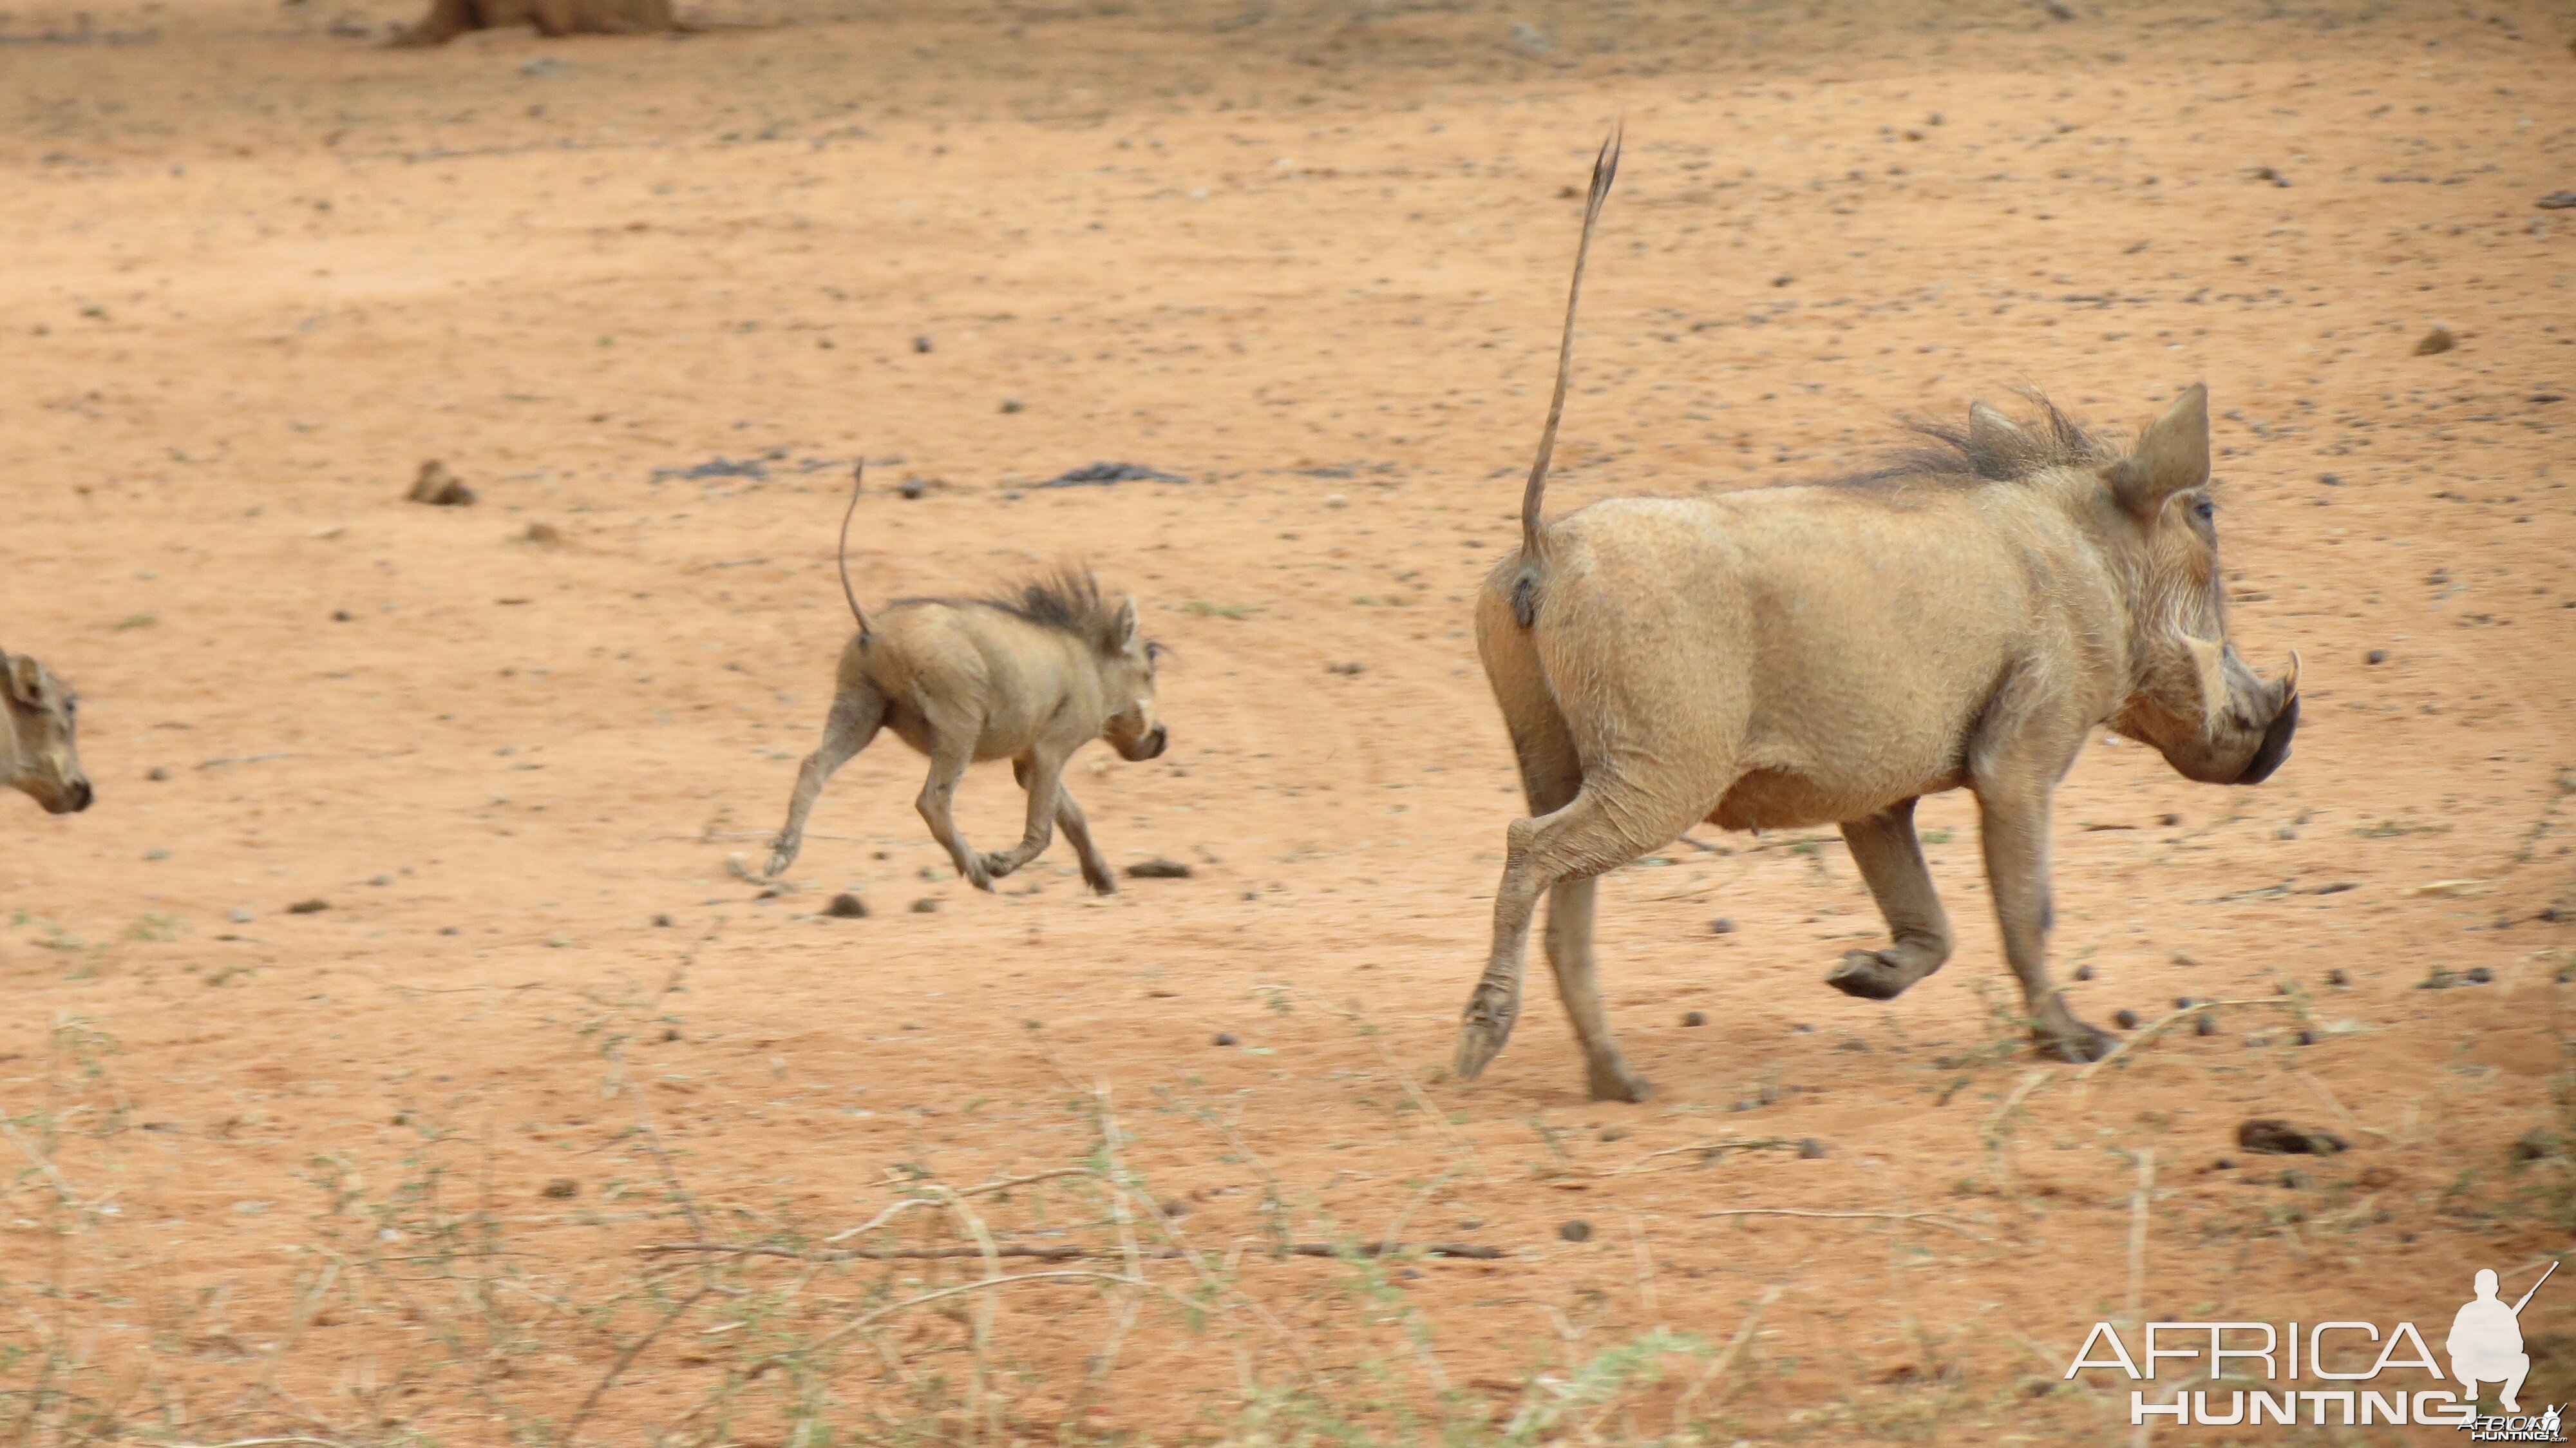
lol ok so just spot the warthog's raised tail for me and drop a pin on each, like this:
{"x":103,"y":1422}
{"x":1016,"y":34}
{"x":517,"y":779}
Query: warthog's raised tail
{"x":858,"y":475}
{"x":1605,"y":169}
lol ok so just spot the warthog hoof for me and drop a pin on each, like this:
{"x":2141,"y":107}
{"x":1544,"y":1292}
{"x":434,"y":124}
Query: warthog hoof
{"x":782,"y":854}
{"x":1871,"y":975}
{"x":1101,"y":881}
{"x":1615,"y":1082}
{"x":998,"y":865}
{"x":1488,"y":1024}
{"x":2077,"y":1042}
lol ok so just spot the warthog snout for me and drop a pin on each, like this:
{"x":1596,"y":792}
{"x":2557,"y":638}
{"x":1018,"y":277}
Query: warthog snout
{"x":71,"y":799}
{"x":1147,"y":746}
{"x":2244,"y":724}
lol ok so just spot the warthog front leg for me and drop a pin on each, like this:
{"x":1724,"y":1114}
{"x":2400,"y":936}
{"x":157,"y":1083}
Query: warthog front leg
{"x":1891,"y":860}
{"x":952,"y":749}
{"x":1095,"y":867}
{"x":856,"y":713}
{"x":1041,"y":773}
{"x":2014,"y":826}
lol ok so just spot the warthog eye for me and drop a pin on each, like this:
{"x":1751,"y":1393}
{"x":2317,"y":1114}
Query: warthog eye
{"x":2205,"y":511}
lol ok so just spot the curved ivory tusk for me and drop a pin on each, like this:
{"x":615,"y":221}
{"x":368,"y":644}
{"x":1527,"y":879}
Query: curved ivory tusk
{"x":2290,"y":679}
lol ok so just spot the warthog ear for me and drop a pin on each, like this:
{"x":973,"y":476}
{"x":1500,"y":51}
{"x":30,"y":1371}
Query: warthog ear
{"x":26,"y":679}
{"x":1122,"y":629}
{"x":2171,"y":456}
{"x":1989,"y":429}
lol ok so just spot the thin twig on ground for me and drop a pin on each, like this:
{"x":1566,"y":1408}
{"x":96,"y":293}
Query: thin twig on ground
{"x":1935,"y":1218}
{"x":1725,"y":1358}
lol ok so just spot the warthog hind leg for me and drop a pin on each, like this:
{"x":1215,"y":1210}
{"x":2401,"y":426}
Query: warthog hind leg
{"x":1891,"y":860}
{"x":1574,"y":843}
{"x":856,"y":713}
{"x":1569,"y":954}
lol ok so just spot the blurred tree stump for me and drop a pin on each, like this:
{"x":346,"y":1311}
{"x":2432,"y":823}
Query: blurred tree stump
{"x":448,"y":19}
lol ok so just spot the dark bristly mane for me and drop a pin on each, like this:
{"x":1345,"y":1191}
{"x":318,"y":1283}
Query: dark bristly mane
{"x":1067,"y":600}
{"x":1949,"y":452}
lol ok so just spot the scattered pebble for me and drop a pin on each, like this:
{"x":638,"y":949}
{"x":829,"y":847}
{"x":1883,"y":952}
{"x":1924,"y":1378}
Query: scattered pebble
{"x":1577,"y":1230}
{"x":911,"y":488}
{"x":239,"y":916}
{"x":662,"y":922}
{"x":156,"y":774}
{"x":922,"y":344}
{"x":544,"y":535}
{"x":2126,"y":1020}
{"x":846,"y":906}
{"x":342,"y":615}
{"x":2478,"y":975}
{"x":2285,"y":833}
{"x":925,"y":906}
{"x":563,"y":1189}
{"x":670,"y":1033}
{"x":1811,"y":1149}
{"x":2306,"y":1037}
{"x":2440,"y":339}
{"x":2182,"y":1003}
{"x":1614,"y":1133}
{"x":1012,"y":404}
{"x":1158,"y":869}
{"x":2084,"y":971}
{"x":1349,"y":668}
{"x":438,"y":487}
{"x":2337,"y":978}
{"x":1694,"y":1018}
{"x":1225,"y":1038}
{"x":2271,"y":1136}
{"x":1721,"y":926}
{"x":2375,"y":656}
{"x":2225,"y":1163}
{"x":2205,"y":1026}
{"x":1106,"y":474}
{"x":308,"y":907}
{"x":2169,"y":820}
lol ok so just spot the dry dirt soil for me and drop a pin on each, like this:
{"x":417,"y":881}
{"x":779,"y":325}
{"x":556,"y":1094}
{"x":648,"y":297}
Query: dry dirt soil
{"x":378,"y":1170}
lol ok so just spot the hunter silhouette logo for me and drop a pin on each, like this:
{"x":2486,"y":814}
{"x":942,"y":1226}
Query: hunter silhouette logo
{"x":2341,"y":1373}
{"x":2486,"y":1340}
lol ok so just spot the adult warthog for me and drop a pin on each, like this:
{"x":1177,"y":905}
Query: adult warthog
{"x":37,"y":751}
{"x":1797,"y":656}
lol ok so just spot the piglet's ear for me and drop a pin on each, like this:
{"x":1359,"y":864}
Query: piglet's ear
{"x":1989,"y":430}
{"x":25,"y":677}
{"x":2171,"y":456}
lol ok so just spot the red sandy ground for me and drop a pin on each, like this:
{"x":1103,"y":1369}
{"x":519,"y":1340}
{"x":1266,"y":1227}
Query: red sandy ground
{"x":257,"y":271}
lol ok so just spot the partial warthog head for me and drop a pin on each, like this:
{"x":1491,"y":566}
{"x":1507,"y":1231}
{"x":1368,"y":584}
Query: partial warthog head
{"x":2212,"y":717}
{"x":1127,"y":687}
{"x":37,"y":751}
